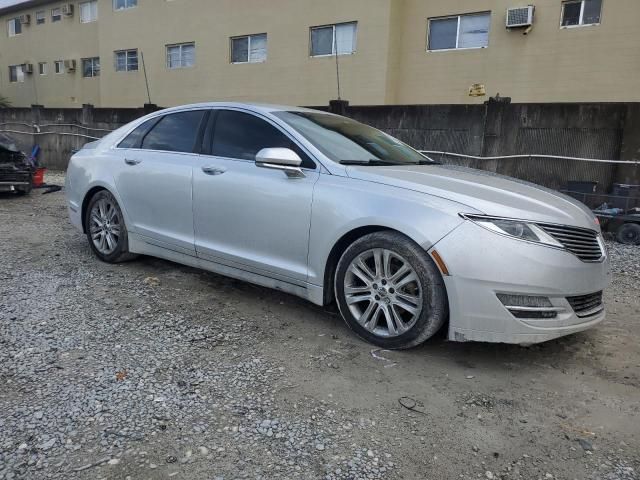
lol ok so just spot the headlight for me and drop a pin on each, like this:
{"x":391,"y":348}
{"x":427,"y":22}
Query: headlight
{"x":521,"y":230}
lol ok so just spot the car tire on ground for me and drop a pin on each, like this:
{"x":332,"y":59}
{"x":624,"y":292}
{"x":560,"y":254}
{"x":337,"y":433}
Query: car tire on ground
{"x":106,"y":229}
{"x":389,"y":291}
{"x":629,"y":234}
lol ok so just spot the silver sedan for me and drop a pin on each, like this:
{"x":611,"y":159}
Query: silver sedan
{"x":329,"y":209}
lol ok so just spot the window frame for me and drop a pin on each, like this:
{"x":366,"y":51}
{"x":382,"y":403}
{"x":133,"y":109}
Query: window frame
{"x":43,"y":68}
{"x":126,"y":7}
{"x":43,"y":19}
{"x":248,"y":37}
{"x":580,"y":20}
{"x":151,"y":123}
{"x":19,"y":73}
{"x":93,"y":69}
{"x":459,"y":17}
{"x":210,"y":130}
{"x":56,"y":17}
{"x":126,"y":51}
{"x":334,"y":43}
{"x":17,"y":27}
{"x":181,"y":46}
{"x":93,"y":5}
{"x":55,"y":67}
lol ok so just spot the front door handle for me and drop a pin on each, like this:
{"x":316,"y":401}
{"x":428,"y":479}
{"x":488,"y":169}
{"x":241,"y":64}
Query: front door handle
{"x":132,"y":161}
{"x":213,"y":170}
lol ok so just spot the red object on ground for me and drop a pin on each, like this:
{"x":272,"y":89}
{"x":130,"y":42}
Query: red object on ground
{"x":38,"y":177}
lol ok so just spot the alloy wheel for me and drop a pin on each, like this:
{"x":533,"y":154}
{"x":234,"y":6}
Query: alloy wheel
{"x":105,"y":226}
{"x":383,"y":292}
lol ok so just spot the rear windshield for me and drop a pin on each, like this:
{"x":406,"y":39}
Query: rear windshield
{"x":342,"y":139}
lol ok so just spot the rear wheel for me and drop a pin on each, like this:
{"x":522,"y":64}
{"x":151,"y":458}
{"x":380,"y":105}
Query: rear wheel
{"x":389,"y":291}
{"x":629,"y":234}
{"x":106,"y":230}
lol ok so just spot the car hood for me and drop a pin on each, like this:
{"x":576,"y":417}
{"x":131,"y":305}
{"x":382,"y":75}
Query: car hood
{"x":486,"y":192}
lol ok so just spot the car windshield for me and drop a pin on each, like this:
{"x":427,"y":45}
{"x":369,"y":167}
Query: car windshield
{"x":349,"y":142}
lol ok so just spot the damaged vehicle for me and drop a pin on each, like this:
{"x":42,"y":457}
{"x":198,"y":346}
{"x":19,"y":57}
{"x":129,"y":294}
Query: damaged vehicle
{"x":16,"y":170}
{"x":329,"y":209}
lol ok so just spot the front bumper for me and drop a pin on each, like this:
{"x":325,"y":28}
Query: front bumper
{"x":483,"y":264}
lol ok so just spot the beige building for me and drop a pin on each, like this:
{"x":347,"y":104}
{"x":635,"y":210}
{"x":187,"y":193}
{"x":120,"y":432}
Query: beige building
{"x":65,"y":54}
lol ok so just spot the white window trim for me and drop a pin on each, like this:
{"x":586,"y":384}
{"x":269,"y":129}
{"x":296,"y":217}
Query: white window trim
{"x":19,"y":73}
{"x":44,"y":17}
{"x":333,"y":43}
{"x":459,"y":17}
{"x":113,"y":3}
{"x":59,"y":15}
{"x":126,"y":52}
{"x":248,"y":48}
{"x":580,"y":24}
{"x":93,"y":67}
{"x":181,"y":46}
{"x":90,"y":3}
{"x":13,"y":21}
{"x":44,"y":70}
{"x":58,"y":62}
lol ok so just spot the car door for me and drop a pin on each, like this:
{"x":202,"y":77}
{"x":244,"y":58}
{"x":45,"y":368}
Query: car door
{"x":249,"y":217}
{"x":153,"y":177}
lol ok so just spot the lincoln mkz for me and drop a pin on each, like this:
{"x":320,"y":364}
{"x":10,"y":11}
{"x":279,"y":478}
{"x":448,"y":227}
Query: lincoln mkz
{"x":333,"y":210}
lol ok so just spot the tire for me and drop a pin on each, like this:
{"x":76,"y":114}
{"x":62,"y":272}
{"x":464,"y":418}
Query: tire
{"x":104,"y":221}
{"x":629,"y":234}
{"x":388,"y":305}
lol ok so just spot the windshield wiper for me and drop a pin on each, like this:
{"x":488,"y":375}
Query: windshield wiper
{"x":383,"y":163}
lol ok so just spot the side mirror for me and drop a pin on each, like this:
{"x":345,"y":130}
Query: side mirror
{"x":283,"y":159}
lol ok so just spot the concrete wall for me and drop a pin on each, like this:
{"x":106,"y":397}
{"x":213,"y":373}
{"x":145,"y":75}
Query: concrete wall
{"x":391,"y":64}
{"x":601,"y":131}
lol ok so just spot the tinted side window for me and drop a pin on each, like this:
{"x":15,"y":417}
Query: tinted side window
{"x":176,"y":132}
{"x":241,"y":135}
{"x":134,"y":139}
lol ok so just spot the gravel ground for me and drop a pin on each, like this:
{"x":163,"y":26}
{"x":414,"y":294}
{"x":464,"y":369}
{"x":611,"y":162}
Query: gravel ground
{"x":152,"y":370}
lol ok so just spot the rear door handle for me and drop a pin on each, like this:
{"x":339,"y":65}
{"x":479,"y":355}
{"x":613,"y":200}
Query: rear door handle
{"x":213,"y":170}
{"x":132,"y":161}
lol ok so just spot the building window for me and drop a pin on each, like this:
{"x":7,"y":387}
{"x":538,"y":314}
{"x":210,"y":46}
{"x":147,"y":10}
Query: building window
{"x":126,"y":61}
{"x":42,"y":68}
{"x":40,"y":17}
{"x":249,"y":49}
{"x":16,"y":74}
{"x":91,"y":67}
{"x":89,"y":11}
{"x":58,"y":66}
{"x":14,"y":27}
{"x":581,"y":12}
{"x":337,"y":39}
{"x":461,"y":31}
{"x":181,"y":56}
{"x":56,"y":14}
{"x":124,"y":4}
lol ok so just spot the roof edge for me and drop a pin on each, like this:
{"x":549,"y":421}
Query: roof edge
{"x":24,"y":6}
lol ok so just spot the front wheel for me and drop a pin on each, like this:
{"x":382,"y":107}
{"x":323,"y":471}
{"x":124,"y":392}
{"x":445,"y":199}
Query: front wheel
{"x":106,"y":230}
{"x":629,"y":234}
{"x":389,"y":291}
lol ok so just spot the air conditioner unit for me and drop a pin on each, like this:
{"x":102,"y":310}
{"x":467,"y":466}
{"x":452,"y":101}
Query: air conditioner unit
{"x":67,"y":9}
{"x":25,"y":19}
{"x":520,"y":16}
{"x":70,"y":65}
{"x":27,"y":68}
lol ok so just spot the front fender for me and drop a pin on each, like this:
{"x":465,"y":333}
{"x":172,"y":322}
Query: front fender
{"x":342,"y":204}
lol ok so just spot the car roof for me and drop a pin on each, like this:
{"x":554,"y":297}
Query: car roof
{"x":255,"y":107}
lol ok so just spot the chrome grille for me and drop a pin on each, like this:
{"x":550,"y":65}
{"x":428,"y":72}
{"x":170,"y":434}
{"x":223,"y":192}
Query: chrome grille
{"x":582,"y":242}
{"x":586,"y":305}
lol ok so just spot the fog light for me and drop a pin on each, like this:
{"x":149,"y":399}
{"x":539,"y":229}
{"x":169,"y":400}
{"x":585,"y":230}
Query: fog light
{"x":529,"y":306}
